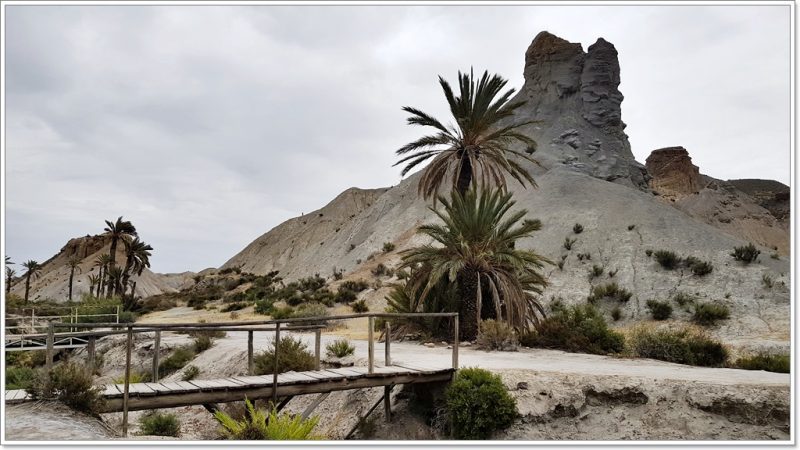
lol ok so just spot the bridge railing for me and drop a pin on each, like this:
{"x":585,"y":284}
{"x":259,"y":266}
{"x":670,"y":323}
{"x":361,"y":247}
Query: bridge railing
{"x":276,"y":326}
{"x":32,"y":321}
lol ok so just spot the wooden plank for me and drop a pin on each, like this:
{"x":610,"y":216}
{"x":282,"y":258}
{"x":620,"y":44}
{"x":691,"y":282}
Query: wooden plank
{"x":253,"y":380}
{"x":292,"y":377}
{"x":140,"y":389}
{"x":302,"y":377}
{"x":423,"y":369}
{"x":172,"y":386}
{"x":325,"y":375}
{"x":207,"y":384}
{"x":111,"y":390}
{"x":346,"y":371}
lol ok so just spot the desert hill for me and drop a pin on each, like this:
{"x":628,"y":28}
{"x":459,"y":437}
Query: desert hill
{"x":588,"y":175}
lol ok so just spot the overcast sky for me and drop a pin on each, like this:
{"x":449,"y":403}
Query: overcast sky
{"x":208,"y":125}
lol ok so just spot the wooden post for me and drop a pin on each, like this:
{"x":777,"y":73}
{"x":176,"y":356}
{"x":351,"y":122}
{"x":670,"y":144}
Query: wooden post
{"x":117,"y":313}
{"x":90,"y":350}
{"x":126,"y":393}
{"x":387,"y":403}
{"x":33,"y":320}
{"x":250,"y":364}
{"x":388,"y":341}
{"x":156,"y":355}
{"x":317,"y":348}
{"x":50,"y":342}
{"x":455,"y":342}
{"x":371,"y":344}
{"x":275,"y":371}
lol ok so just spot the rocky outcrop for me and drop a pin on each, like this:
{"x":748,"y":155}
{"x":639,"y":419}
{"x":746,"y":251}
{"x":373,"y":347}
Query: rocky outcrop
{"x":574,"y":99}
{"x":769,"y":194}
{"x":673,"y":174}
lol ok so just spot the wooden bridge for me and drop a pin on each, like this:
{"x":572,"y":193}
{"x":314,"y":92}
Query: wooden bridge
{"x":128,"y":396}
{"x":19,"y":338}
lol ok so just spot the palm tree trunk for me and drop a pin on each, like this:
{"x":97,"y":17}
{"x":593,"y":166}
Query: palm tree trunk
{"x":469,"y":315}
{"x":100,"y":283}
{"x":8,"y":285}
{"x":111,"y":264}
{"x":464,"y":176}
{"x":71,"y":274}
{"x":27,"y":286}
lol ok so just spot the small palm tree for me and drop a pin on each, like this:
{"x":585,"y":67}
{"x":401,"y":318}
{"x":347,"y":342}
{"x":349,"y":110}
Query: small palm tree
{"x":102,"y":262}
{"x":8,"y":261}
{"x":477,"y":252}
{"x":476,"y":148}
{"x":94,"y":280}
{"x":32,"y":270}
{"x":138,"y":257}
{"x":10,"y":274}
{"x":116,"y":230}
{"x":73,"y":263}
{"x":114,"y":280}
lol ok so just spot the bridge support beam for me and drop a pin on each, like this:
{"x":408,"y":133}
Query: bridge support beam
{"x":90,"y":352}
{"x":50,"y":341}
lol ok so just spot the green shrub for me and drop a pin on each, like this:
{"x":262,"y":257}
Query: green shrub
{"x":767,"y":281}
{"x":682,"y":345}
{"x":746,"y":254}
{"x":683,"y":299}
{"x":596,"y":271}
{"x":127,"y":317}
{"x":765,"y":361}
{"x":568,"y":243}
{"x":236,"y":306}
{"x":710,"y":313}
{"x":701,"y":268}
{"x":359,"y":306}
{"x":381,"y":270}
{"x":668,"y":260}
{"x":340,"y":348}
{"x":264,"y":306}
{"x":293,"y":355}
{"x":345,"y":296}
{"x":611,"y":291}
{"x":388,"y":247}
{"x":202,"y":343}
{"x":260,"y":425}
{"x":175,"y":362}
{"x":19,"y":377}
{"x":355,"y":286}
{"x":478,"y":404}
{"x":659,"y":310}
{"x":281,"y":312}
{"x":190,"y":373}
{"x":159,"y":424}
{"x":135,"y":377}
{"x":577,"y":228}
{"x":310,"y":310}
{"x":580,"y":328}
{"x":497,"y":335}
{"x":69,"y":383}
{"x":616,"y":313}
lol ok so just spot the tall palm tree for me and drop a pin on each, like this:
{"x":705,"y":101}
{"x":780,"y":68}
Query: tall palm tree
{"x":138,"y":257}
{"x":116,"y":230}
{"x":33,"y":270}
{"x":102,"y":262}
{"x":476,"y":148}
{"x":114,"y":280}
{"x":73,"y":263}
{"x":10,"y":273}
{"x":94,"y":280}
{"x":477,"y":252}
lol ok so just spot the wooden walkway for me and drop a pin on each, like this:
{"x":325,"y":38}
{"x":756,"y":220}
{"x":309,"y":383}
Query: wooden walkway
{"x":170,"y":394}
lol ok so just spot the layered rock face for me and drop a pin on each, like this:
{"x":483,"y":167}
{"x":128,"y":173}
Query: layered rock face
{"x":673,"y":174}
{"x":574,"y":98}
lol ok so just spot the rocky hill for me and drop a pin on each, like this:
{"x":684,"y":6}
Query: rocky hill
{"x":588,"y":175}
{"x":53,"y":283}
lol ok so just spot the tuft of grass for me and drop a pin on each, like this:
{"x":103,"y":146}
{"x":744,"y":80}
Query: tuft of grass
{"x":668,"y":259}
{"x":767,"y":281}
{"x":683,"y":299}
{"x":648,"y":252}
{"x":359,"y":306}
{"x":69,"y":383}
{"x":577,"y":228}
{"x":258,"y":424}
{"x":609,"y":290}
{"x":616,"y":313}
{"x":710,"y":313}
{"x":596,"y":271}
{"x":746,"y":254}
{"x":659,"y":310}
{"x":568,"y":243}
{"x":765,"y":361}
{"x":159,"y":424}
{"x":681,"y":345}
{"x":340,"y":348}
{"x":702,"y":268}
{"x":497,"y":335}
{"x":202,"y":343}
{"x":586,"y":256}
{"x":176,"y":361}
{"x":388,"y":247}
{"x":190,"y":373}
{"x":293,"y":355}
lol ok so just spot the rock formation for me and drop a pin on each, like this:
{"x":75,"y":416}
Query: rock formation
{"x":673,"y":174}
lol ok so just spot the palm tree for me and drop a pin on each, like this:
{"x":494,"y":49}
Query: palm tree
{"x":33,"y":270}
{"x":94,"y":280}
{"x":10,"y":273}
{"x":477,"y":147}
{"x":138,"y":257}
{"x":117,"y":230}
{"x":477,"y":252}
{"x":73,"y":263}
{"x":114,"y":280}
{"x":102,"y":262}
{"x":8,"y":261}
